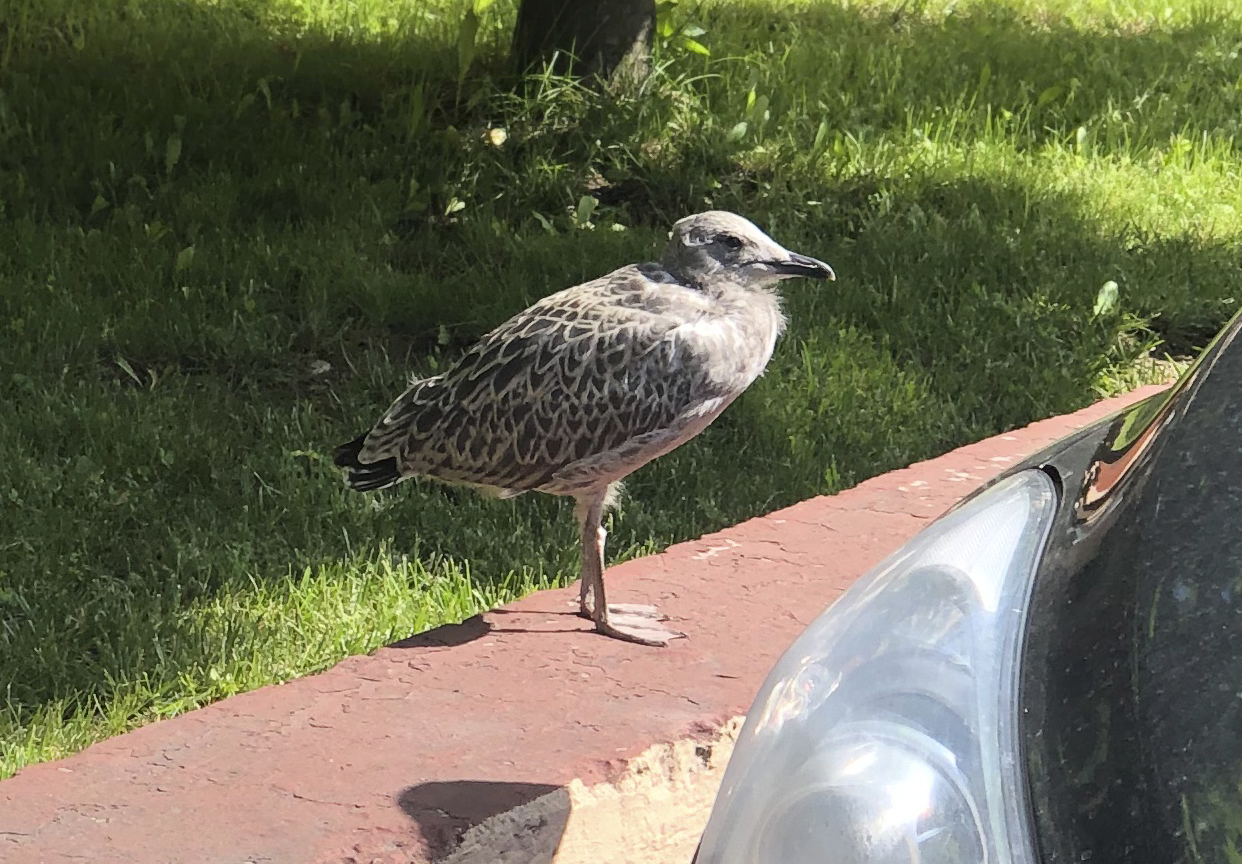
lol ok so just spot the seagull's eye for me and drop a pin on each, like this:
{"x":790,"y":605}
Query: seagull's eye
{"x":729,"y":241}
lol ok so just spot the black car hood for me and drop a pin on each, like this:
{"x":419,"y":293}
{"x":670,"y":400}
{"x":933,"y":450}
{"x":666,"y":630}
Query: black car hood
{"x":1132,"y":668}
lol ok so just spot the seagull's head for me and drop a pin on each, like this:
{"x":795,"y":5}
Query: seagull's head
{"x":722,"y":245}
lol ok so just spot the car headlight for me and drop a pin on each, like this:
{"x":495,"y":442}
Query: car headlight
{"x":888,"y":731}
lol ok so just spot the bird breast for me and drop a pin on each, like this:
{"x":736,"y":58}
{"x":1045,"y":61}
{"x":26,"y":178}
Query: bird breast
{"x":735,"y":339}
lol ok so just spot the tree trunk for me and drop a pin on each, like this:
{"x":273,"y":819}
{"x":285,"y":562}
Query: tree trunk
{"x":608,"y":39}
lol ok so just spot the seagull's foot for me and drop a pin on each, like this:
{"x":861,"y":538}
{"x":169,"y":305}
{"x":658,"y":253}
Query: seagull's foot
{"x":641,"y":626}
{"x":641,"y":610}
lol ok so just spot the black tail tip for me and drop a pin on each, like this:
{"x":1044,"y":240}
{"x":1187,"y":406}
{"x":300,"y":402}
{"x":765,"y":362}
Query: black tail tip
{"x":346,"y":456}
{"x":365,"y":476}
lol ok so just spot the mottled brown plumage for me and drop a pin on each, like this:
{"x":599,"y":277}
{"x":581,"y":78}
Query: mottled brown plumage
{"x":590,"y":383}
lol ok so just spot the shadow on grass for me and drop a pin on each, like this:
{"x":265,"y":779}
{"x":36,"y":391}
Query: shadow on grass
{"x":963,"y":306}
{"x":240,"y":90}
{"x":275,"y":104}
{"x":445,"y":811}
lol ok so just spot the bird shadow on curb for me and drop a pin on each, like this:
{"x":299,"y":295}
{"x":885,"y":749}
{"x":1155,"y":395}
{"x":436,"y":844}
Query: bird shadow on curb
{"x":446,"y":812}
{"x":448,"y":635}
{"x":476,"y":627}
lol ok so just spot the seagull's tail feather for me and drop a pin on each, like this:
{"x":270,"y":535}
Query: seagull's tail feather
{"x":365,"y":476}
{"x":372,"y":457}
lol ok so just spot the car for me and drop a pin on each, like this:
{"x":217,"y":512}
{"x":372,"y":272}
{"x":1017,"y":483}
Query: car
{"x":1050,"y":672}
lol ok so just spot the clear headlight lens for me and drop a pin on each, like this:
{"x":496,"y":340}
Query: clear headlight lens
{"x":888,"y":731}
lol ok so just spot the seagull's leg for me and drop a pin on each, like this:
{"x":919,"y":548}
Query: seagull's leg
{"x":631,"y":623}
{"x":586,"y":589}
{"x":586,"y":510}
{"x":593,"y":575}
{"x":584,"y":592}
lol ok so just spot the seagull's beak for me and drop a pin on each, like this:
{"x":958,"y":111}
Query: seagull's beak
{"x":793,"y":264}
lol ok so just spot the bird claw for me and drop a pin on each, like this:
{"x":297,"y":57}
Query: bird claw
{"x":639,"y":610}
{"x":641,"y":627}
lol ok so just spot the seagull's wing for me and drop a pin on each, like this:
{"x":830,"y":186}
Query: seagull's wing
{"x":578,"y":385}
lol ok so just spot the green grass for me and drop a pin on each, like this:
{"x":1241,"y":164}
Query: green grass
{"x":204,"y":201}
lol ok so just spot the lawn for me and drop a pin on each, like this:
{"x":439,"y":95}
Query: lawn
{"x":230,"y":228}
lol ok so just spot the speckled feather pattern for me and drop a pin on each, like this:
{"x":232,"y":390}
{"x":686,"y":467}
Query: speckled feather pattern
{"x":583,"y":387}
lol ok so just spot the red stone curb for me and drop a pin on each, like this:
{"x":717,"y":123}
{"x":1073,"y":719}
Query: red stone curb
{"x":391,"y":756}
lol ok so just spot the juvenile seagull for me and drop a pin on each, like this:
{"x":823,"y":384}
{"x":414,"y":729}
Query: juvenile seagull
{"x":593,"y":382}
